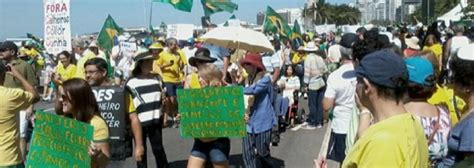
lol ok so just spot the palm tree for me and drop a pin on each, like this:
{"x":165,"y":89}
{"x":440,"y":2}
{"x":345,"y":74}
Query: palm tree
{"x":322,"y":13}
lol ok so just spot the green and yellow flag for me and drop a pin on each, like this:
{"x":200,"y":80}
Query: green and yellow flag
{"x":296,"y":31}
{"x":183,"y":5}
{"x":214,"y":6}
{"x":109,"y":31}
{"x":274,"y":23}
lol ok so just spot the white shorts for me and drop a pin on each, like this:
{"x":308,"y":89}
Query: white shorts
{"x":23,"y":124}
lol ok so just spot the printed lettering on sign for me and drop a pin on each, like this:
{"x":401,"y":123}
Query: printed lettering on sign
{"x":111,"y":102}
{"x":57,"y":26}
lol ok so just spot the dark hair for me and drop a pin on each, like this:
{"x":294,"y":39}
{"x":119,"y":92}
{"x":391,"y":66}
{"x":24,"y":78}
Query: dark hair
{"x":137,"y":70}
{"x":82,"y":99}
{"x":68,"y":56}
{"x":3,"y":70}
{"x":292,"y":67}
{"x":463,"y":72}
{"x":398,"y":93}
{"x":420,"y":92}
{"x":99,"y":63}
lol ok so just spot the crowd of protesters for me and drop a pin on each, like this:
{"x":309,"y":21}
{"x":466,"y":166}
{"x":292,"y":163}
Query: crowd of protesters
{"x":401,"y":97}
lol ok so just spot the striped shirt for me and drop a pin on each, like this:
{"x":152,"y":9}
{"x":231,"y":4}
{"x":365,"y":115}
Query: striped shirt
{"x":146,"y":95}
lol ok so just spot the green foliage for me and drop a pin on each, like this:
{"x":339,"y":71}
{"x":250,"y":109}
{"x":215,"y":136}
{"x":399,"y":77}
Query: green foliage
{"x":325,"y":13}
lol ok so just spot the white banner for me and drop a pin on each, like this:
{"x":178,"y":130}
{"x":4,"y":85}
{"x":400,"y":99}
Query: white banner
{"x":128,"y":48}
{"x":57,"y":26}
{"x":180,"y":31}
{"x":320,"y":29}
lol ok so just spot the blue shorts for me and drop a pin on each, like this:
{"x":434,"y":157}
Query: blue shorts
{"x":171,"y":88}
{"x":216,"y":151}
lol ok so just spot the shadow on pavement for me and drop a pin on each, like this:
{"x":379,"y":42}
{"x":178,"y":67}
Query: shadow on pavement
{"x":236,"y":161}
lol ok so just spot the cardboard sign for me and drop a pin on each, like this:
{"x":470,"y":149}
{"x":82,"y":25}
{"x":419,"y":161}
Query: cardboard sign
{"x":212,"y":112}
{"x":59,"y":142}
{"x":57,"y":26}
{"x":111,"y":101}
{"x":128,"y":49}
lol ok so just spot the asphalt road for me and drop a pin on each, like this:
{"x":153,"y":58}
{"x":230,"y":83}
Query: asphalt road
{"x":297,"y":149}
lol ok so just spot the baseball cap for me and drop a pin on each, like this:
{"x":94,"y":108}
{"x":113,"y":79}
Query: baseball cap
{"x":348,"y":39}
{"x":383,"y":68}
{"x":419,"y":69}
{"x":8,"y":45}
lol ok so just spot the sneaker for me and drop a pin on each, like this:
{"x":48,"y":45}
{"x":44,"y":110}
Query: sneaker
{"x":309,"y":127}
{"x":319,"y":126}
{"x":297,"y":127}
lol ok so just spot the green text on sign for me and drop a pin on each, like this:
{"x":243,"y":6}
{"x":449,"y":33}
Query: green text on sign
{"x":59,"y":142}
{"x":212,"y":112}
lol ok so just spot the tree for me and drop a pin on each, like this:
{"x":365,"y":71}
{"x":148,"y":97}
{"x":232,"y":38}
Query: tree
{"x":325,"y":13}
{"x":440,"y":8}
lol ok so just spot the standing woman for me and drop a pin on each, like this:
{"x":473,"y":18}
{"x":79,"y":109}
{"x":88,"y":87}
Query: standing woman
{"x":216,"y":149}
{"x":256,"y":145}
{"x":461,"y":139}
{"x":78,"y":102}
{"x":146,"y":93}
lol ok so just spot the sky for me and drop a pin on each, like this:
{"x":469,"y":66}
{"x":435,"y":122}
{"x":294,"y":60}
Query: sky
{"x":18,"y":17}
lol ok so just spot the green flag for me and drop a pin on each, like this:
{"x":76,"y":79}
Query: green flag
{"x":231,"y":18}
{"x":214,"y":6}
{"x":296,"y":33}
{"x":109,"y":31}
{"x":274,"y":23}
{"x":37,"y":41}
{"x":183,"y":5}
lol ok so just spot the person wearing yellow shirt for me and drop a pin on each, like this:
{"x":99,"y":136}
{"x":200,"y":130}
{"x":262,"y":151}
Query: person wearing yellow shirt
{"x":396,"y":139}
{"x":299,"y":56}
{"x":66,"y":69}
{"x":92,"y":52}
{"x":444,"y":95}
{"x":171,"y":63}
{"x":13,"y":100}
{"x":433,"y":45}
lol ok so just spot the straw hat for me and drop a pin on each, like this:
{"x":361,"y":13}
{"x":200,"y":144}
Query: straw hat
{"x":311,"y":47}
{"x":413,"y":42}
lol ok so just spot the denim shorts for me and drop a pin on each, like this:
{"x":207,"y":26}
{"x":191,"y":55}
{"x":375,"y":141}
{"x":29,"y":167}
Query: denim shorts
{"x":216,"y":151}
{"x":171,"y":88}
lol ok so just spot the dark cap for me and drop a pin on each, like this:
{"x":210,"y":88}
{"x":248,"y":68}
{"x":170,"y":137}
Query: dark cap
{"x":348,"y":39}
{"x":201,"y":55}
{"x":383,"y":68}
{"x":9,"y":45}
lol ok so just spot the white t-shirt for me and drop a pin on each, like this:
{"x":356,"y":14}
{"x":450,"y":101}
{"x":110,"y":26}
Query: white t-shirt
{"x":334,"y":53}
{"x":342,"y":90}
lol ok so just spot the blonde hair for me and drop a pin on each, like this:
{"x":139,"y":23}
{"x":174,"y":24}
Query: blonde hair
{"x":210,"y":74}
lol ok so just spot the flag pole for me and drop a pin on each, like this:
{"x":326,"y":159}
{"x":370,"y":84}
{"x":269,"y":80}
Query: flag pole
{"x":151,"y":13}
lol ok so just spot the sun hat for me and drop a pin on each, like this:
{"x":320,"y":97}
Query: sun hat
{"x":311,"y":47}
{"x":412,"y":42}
{"x":419,"y":69}
{"x":201,"y":55}
{"x":383,"y":67}
{"x":253,"y":59}
{"x":143,"y":54}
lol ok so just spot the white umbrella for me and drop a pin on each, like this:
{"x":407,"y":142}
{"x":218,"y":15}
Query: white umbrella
{"x":238,"y":38}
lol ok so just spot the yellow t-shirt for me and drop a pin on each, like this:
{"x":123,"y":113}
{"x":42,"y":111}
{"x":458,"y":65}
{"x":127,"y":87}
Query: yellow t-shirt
{"x":444,"y":95}
{"x":173,"y":73}
{"x":397,"y":142}
{"x":13,"y":100}
{"x":67,"y":73}
{"x":101,"y":131}
{"x":80,"y":70}
{"x":193,"y":80}
{"x":297,"y":58}
{"x":437,"y":49}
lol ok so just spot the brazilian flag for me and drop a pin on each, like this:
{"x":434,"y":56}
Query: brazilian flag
{"x":214,"y":6}
{"x":106,"y":38}
{"x":274,"y":23}
{"x":183,"y":5}
{"x":296,"y":31}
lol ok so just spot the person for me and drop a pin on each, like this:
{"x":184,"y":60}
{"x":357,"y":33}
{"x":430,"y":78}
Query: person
{"x":216,"y":150}
{"x":189,"y":51}
{"x":334,"y":55}
{"x":201,"y":57}
{"x":460,"y":139}
{"x":146,"y":91}
{"x":66,"y":69}
{"x":96,"y":75}
{"x":78,"y":49}
{"x":171,"y":63}
{"x":221,"y":54}
{"x":314,"y":69}
{"x":434,"y":119}
{"x":14,"y":100}
{"x":9,"y":54}
{"x":433,"y":45}
{"x":78,"y":102}
{"x":413,"y":48}
{"x":361,"y":32}
{"x":256,"y":145}
{"x":396,"y":138}
{"x":48,"y":81}
{"x":453,"y":44}
{"x":91,"y":52}
{"x":299,"y":56}
{"x":289,"y":84}
{"x":340,"y":97}
{"x":156,"y":49}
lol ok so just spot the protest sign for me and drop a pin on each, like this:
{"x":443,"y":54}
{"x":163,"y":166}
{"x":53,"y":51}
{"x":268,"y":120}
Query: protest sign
{"x":111,"y":102}
{"x":212,"y":112}
{"x":180,"y":31}
{"x":57,"y":26}
{"x":59,"y":142}
{"x":128,"y":49}
{"x":325,"y":28}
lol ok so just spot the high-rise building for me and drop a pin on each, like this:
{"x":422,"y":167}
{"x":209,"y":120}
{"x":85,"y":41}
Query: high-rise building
{"x":391,"y":9}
